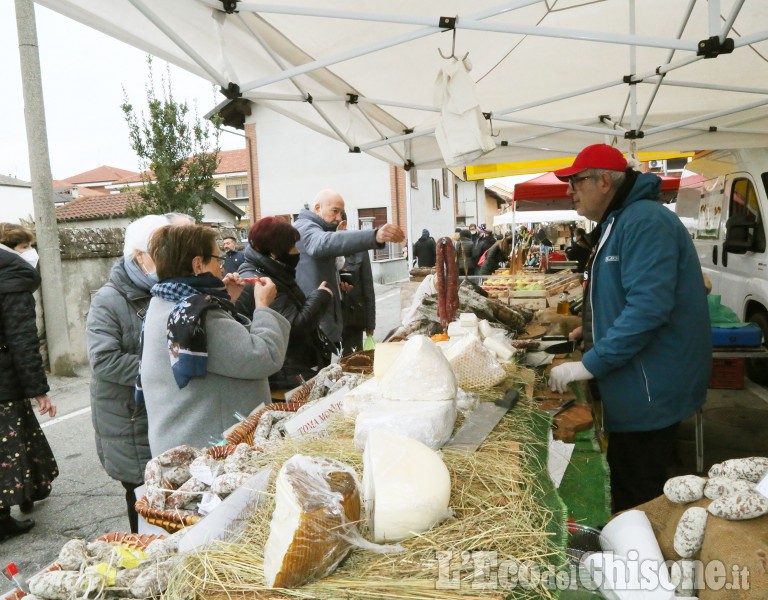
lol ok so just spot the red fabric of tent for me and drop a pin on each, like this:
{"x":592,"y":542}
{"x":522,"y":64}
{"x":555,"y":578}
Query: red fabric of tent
{"x":549,"y":187}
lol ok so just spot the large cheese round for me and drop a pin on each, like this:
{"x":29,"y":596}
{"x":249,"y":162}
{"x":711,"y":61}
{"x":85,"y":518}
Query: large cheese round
{"x":406,"y":486}
{"x":430,"y":422}
{"x":420,"y":372}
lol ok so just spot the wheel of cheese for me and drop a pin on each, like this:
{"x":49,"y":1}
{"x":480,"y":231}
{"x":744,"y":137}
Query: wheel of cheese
{"x":316,"y":499}
{"x":420,"y":372}
{"x":406,"y":486}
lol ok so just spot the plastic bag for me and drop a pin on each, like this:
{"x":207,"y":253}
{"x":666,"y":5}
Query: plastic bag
{"x":369,"y":343}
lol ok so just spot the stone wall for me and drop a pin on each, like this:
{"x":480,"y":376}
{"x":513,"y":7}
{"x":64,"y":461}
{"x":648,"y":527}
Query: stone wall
{"x":87,"y":256}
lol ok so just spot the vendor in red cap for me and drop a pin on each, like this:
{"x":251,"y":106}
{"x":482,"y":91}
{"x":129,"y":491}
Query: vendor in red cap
{"x":646,"y":332}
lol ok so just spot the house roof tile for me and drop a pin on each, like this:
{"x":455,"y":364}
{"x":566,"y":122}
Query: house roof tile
{"x":230,"y":161}
{"x":104,"y":206}
{"x":99,"y":174}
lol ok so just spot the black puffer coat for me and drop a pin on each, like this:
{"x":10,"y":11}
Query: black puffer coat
{"x":21,"y":366}
{"x":302,"y":312}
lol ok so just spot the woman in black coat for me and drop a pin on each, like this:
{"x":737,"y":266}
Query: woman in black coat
{"x":27,"y":465}
{"x":497,"y":254}
{"x":272,"y":252}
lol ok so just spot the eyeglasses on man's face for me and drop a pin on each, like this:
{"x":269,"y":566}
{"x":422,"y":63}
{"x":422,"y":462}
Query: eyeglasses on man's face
{"x":574,"y":181}
{"x":220,"y":258}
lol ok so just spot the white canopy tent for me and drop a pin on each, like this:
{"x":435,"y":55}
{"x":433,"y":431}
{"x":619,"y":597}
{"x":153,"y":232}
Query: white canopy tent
{"x":536,"y":216}
{"x":552,"y":76}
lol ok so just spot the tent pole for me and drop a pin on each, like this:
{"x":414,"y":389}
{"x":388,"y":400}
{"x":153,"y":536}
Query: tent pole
{"x":712,"y":115}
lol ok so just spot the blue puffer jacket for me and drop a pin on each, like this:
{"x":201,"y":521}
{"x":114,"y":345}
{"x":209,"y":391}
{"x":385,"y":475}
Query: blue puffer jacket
{"x":652,"y":349}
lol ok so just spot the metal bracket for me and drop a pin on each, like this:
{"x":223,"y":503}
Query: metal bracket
{"x":489,"y":118}
{"x":309,"y":98}
{"x":408,"y":165}
{"x":230,"y":6}
{"x":232,"y":91}
{"x":633,"y":134}
{"x":604,"y":118}
{"x":628,"y":79}
{"x":712,"y":48}
{"x":712,"y":129}
{"x":407,"y":132}
{"x":352,"y":98}
{"x":504,"y":143}
{"x":355,"y":150}
{"x":447,"y":23}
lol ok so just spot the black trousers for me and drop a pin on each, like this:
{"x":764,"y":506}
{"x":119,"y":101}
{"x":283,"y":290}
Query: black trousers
{"x":130,"y":501}
{"x":640,"y":462}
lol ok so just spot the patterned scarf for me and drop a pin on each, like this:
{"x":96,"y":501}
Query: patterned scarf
{"x":187,"y":339}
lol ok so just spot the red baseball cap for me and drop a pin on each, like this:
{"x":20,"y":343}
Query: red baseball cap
{"x":597,"y":156}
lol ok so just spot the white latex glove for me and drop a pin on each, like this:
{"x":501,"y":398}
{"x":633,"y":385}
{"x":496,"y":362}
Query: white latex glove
{"x":562,"y":375}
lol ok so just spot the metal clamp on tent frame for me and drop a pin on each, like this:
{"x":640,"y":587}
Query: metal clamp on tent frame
{"x":489,"y":117}
{"x":712,"y":48}
{"x":232,"y":91}
{"x":446,"y":24}
{"x":230,"y":6}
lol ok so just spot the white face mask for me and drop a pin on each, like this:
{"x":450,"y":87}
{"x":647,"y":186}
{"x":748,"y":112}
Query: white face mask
{"x":31,"y":256}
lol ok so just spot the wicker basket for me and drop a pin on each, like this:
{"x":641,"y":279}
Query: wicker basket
{"x":243,"y":433}
{"x":172,"y":520}
{"x":358,"y":362}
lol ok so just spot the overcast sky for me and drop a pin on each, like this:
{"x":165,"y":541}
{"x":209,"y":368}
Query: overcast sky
{"x":84,"y":72}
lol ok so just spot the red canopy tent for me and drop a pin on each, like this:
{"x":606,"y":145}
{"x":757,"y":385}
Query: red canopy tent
{"x":547,"y":192}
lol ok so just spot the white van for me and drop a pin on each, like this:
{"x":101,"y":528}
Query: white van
{"x":723,"y":202}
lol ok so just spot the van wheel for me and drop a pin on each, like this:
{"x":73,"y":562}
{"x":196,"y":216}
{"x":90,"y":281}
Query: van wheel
{"x":757,"y":369}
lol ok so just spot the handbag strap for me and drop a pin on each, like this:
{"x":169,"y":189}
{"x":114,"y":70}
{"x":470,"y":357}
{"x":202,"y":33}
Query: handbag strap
{"x":141,"y":311}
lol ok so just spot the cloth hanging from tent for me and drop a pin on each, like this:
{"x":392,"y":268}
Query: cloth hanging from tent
{"x":462,"y":133}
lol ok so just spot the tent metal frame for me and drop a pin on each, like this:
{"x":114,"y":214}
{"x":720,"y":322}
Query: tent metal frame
{"x":632,"y":123}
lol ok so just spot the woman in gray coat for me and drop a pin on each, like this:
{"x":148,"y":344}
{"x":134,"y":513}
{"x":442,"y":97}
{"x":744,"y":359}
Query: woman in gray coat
{"x":113,"y":330}
{"x":201,"y":362}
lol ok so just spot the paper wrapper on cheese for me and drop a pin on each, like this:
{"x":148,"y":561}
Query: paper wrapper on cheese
{"x":474,"y":365}
{"x":384,"y":355}
{"x":420,"y":372}
{"x":429,"y":422}
{"x":406,"y":486}
{"x":317,"y":503}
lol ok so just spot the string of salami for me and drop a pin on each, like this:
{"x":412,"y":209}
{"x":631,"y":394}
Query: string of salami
{"x":446,"y":282}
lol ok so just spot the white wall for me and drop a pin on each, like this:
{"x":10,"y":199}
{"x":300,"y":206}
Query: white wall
{"x":296,"y":162}
{"x":215,"y":213}
{"x":95,"y":223}
{"x":423,"y":216}
{"x":15,"y":203}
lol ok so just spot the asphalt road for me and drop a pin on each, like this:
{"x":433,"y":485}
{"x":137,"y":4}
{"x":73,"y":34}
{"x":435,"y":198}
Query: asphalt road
{"x":85,"y":502}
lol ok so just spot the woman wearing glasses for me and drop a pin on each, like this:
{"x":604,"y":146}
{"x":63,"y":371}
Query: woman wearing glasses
{"x":201,"y":362}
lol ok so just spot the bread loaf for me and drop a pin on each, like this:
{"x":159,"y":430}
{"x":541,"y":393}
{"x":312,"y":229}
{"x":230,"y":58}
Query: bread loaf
{"x":316,"y":502}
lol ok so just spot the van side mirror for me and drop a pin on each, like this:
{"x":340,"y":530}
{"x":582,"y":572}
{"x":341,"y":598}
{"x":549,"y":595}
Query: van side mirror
{"x":739,"y":234}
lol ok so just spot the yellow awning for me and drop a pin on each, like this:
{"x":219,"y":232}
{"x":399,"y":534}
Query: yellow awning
{"x":475,"y":172}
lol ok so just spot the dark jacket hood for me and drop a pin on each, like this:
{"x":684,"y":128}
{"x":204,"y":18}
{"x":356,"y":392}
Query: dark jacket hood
{"x":16,"y":274}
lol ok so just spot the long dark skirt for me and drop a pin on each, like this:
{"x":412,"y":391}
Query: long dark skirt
{"x":27,"y":465}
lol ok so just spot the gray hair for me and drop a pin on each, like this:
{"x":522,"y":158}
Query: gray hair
{"x":617,"y":177}
{"x":177,"y":218}
{"x":137,"y":234}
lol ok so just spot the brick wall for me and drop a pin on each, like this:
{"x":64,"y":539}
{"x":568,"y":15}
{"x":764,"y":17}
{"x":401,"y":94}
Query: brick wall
{"x":398,"y":198}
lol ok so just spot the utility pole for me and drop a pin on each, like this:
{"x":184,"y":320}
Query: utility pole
{"x":46,"y":231}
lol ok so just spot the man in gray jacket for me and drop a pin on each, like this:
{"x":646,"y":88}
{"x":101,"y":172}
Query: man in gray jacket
{"x":320,"y":244}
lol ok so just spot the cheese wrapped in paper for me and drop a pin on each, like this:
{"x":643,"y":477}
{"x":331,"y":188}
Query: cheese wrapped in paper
{"x":429,"y":422}
{"x":420,"y":372}
{"x":317,"y":503}
{"x":406,"y":486}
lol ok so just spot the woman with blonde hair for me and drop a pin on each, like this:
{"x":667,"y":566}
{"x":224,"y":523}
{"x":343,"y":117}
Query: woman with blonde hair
{"x":27,"y":464}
